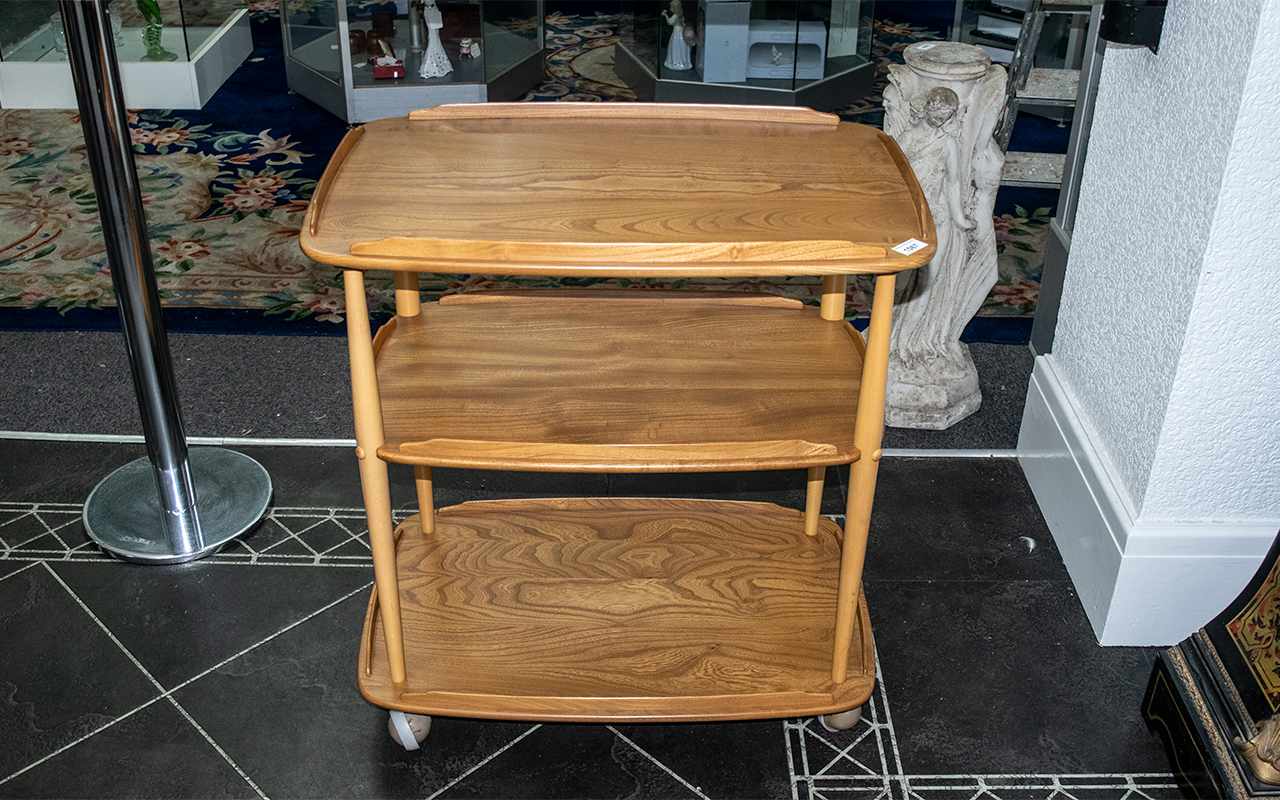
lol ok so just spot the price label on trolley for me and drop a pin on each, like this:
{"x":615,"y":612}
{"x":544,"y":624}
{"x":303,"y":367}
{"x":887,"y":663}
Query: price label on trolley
{"x":910,"y":246}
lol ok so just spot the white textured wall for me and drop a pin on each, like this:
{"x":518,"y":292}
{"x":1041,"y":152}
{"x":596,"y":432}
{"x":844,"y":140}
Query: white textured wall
{"x":1219,"y":450}
{"x":1159,"y":148}
{"x":1152,"y":432}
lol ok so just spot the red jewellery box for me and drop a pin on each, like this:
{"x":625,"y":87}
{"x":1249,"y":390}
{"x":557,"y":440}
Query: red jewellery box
{"x":395,"y":70}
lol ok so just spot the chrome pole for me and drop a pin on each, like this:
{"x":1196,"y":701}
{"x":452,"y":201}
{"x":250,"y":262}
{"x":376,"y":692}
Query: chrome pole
{"x":112,"y":511}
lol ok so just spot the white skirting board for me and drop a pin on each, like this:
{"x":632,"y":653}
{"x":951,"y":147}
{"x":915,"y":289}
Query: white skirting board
{"x":1142,"y":582}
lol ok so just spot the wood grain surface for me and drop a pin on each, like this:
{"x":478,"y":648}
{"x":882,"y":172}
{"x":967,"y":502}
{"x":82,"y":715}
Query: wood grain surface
{"x":613,"y":609}
{"x":674,"y":191}
{"x":705,"y":111}
{"x":619,"y":384}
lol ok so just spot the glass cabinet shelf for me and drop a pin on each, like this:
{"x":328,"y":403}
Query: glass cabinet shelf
{"x":814,"y":53}
{"x":483,"y":50}
{"x":171,"y":53}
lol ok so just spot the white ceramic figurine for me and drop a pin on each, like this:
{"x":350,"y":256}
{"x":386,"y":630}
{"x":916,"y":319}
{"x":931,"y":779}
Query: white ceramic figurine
{"x":435,"y":62}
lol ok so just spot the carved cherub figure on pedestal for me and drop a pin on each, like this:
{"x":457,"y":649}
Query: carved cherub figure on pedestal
{"x":942,"y":108}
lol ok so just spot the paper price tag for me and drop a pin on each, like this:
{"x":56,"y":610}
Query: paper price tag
{"x":910,"y":246}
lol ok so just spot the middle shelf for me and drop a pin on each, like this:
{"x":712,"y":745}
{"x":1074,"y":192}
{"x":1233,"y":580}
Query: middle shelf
{"x":639,"y":381}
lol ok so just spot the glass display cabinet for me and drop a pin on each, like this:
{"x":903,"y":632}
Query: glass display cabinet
{"x":994,"y":26}
{"x":366,"y":60}
{"x":172,"y":53}
{"x":814,"y":53}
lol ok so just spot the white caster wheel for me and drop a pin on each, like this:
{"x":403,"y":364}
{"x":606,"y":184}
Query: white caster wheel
{"x":408,"y":730}
{"x":842,"y":721}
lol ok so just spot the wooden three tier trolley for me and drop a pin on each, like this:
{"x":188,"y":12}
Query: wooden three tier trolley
{"x":614,"y":609}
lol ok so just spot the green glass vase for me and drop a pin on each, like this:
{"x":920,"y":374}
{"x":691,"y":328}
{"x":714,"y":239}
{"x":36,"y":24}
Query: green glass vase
{"x":152,"y":31}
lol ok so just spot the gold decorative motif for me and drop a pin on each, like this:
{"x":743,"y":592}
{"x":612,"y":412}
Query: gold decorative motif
{"x":1256,"y":632}
{"x":1262,"y":752}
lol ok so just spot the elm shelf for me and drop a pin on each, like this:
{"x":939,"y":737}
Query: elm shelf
{"x":597,"y":609}
{"x":618,"y":610}
{"x":672,"y":385}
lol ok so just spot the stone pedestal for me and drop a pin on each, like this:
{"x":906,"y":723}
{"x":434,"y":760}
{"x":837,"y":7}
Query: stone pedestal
{"x":933,"y":393}
{"x":942,"y":108}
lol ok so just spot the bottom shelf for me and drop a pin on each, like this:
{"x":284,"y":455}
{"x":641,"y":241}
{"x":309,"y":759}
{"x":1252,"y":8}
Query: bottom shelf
{"x":618,"y":610}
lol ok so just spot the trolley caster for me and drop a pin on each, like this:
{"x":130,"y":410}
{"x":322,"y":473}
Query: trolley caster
{"x":408,"y":730}
{"x":842,"y":721}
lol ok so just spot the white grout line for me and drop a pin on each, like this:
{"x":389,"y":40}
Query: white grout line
{"x":166,"y":694}
{"x":481,"y":763}
{"x":86,"y":557}
{"x":18,"y":571}
{"x":217,"y":747}
{"x":888,"y":721}
{"x":1058,"y":785}
{"x":103,"y":626}
{"x":366,"y":587}
{"x":55,"y":517}
{"x":695,"y":789}
{"x":72,"y":744}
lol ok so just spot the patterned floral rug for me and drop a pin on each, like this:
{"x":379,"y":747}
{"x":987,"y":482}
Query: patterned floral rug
{"x":226,"y":188}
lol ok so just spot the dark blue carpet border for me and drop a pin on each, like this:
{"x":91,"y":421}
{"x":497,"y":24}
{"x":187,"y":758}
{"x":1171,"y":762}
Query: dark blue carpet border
{"x":988,"y":330}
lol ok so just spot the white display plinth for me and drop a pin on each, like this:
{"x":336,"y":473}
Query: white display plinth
{"x":216,"y":53}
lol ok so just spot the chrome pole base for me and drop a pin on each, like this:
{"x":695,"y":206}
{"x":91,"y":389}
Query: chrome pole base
{"x":123,"y":513}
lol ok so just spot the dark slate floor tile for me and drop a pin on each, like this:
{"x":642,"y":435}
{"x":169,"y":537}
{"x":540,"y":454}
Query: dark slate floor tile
{"x":571,"y":761}
{"x":7,"y":568}
{"x":300,"y":729}
{"x":181,"y":620}
{"x":722,"y":760}
{"x":155,"y":753}
{"x":61,"y":676}
{"x":326,"y":477}
{"x":958,"y":519}
{"x":1006,"y":677}
{"x":25,"y":528}
{"x":58,"y":472}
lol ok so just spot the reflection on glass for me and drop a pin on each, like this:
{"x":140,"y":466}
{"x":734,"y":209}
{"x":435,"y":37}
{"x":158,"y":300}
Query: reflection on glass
{"x":26,"y":32}
{"x":763,"y":44}
{"x":59,"y":35}
{"x":157,"y":30}
{"x":117,"y":24}
{"x":313,"y":35}
{"x":153,"y":31}
{"x":458,"y":42}
{"x":511,"y":34}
